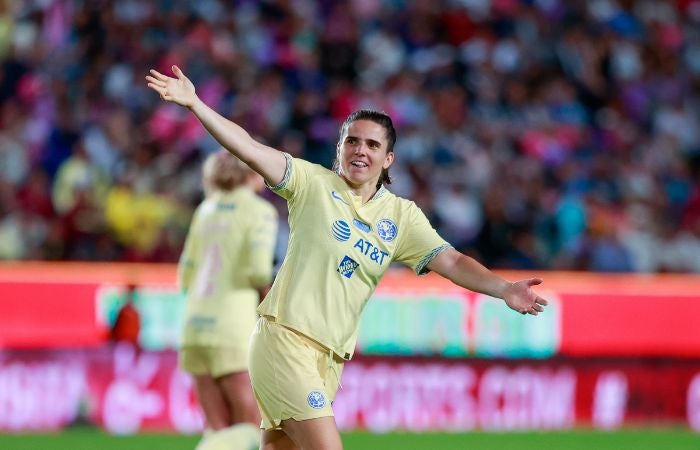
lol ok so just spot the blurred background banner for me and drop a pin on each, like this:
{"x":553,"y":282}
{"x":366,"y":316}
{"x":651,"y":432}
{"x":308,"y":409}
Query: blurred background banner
{"x":127,"y":391}
{"x":613,"y":350}
{"x":53,"y":305}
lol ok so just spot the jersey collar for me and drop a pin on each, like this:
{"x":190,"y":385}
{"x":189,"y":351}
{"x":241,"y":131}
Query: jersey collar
{"x":379,"y":194}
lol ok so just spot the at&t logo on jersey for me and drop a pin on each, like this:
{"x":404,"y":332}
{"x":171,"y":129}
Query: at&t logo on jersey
{"x":386,"y":229}
{"x":340,"y":230}
{"x":347,"y":266}
{"x":371,"y":251}
{"x":316,"y":399}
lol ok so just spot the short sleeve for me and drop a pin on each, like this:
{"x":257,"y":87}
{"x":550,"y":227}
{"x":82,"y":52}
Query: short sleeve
{"x":419,"y":243}
{"x":295,"y":177}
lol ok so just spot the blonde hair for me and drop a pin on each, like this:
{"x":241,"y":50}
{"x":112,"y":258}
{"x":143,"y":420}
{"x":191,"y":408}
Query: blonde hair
{"x":223,"y":172}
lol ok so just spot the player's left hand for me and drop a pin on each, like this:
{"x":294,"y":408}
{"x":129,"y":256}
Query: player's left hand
{"x":178,"y":90}
{"x":520,"y":297}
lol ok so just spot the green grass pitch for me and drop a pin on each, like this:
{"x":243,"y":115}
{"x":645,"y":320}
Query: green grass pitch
{"x":656,"y":439}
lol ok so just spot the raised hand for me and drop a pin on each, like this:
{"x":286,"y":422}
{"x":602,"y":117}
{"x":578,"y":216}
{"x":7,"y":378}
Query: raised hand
{"x":520,"y":297}
{"x":178,"y":90}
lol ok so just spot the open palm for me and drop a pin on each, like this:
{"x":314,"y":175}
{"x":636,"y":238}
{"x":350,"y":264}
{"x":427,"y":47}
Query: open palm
{"x":520,"y":297}
{"x":178,"y":90}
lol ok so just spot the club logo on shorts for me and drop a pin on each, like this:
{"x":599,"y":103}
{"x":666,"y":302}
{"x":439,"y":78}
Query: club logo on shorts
{"x":341,"y":230}
{"x":316,"y":399}
{"x":386,"y":229}
{"x":347,"y":266}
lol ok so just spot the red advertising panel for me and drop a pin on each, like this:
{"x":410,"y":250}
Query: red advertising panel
{"x":40,"y":315}
{"x":70,"y":305}
{"x":125,"y":391}
{"x":505,"y":396}
{"x":49,"y":305}
{"x":636,"y":324}
{"x":593,"y":314}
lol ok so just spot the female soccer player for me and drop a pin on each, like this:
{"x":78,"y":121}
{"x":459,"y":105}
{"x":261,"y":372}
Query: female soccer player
{"x":345,"y":229}
{"x":227,"y":260}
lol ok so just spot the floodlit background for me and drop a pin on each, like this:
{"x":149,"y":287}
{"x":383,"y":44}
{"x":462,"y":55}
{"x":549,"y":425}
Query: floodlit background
{"x":543,"y":137}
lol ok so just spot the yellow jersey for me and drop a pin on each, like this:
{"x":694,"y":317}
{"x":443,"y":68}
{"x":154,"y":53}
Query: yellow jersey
{"x":338,"y":251}
{"x":228,"y":255}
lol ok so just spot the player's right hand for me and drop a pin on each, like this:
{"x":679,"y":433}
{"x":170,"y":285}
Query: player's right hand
{"x":178,"y":90}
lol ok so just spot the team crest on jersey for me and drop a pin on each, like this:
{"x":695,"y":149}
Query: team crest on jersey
{"x":316,"y":399}
{"x":347,"y":266}
{"x":386,"y":229}
{"x":340,"y":230}
{"x":360,"y":225}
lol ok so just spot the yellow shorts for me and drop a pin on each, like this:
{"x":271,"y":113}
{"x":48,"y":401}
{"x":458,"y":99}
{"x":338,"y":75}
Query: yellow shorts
{"x":214,"y":361}
{"x":293,"y":377}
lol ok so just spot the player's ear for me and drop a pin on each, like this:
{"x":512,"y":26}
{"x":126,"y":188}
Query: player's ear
{"x":388,"y":160}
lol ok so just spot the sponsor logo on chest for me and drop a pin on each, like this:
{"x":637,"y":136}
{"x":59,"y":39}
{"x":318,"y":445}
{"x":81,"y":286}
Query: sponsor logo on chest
{"x":347,"y":266}
{"x":371,"y":251}
{"x":341,"y":231}
{"x":360,"y":225}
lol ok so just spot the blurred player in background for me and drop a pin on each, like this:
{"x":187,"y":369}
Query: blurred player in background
{"x":225,"y":269}
{"x":345,"y":229}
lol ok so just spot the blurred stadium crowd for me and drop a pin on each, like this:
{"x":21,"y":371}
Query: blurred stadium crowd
{"x":533,"y":133}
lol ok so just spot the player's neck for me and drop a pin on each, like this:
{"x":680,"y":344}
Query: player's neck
{"x":365,"y":191}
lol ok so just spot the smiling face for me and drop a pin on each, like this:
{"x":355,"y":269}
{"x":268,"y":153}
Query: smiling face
{"x":362,"y":153}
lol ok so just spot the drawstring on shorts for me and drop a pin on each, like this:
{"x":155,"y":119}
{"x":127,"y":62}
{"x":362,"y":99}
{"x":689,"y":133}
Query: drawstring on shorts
{"x":332,"y":367}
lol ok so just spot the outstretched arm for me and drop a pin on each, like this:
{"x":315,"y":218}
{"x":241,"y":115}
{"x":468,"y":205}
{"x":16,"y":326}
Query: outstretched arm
{"x":267,"y":161}
{"x":468,"y":273}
